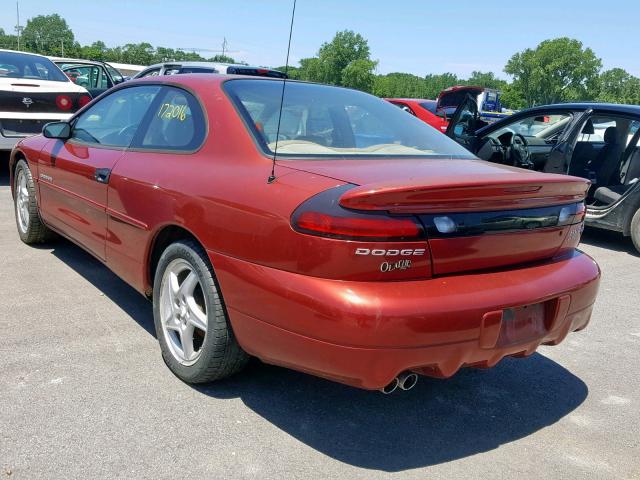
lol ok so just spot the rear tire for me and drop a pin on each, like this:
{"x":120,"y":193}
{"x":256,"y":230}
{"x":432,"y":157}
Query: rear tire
{"x":30,"y":226}
{"x":635,"y":230}
{"x":192,"y":326}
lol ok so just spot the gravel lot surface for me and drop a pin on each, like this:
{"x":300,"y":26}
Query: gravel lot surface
{"x":84,"y":393}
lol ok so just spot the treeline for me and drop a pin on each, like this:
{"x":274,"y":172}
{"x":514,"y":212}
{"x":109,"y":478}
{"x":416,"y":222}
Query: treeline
{"x":50,"y":35}
{"x":557,"y":70}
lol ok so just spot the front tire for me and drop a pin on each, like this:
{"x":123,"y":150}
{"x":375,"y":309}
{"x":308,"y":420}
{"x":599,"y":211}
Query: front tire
{"x":635,"y":230}
{"x":196,"y":339}
{"x":30,"y":226}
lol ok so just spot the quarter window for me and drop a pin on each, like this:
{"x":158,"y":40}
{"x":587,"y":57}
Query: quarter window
{"x":177,"y":122}
{"x":150,"y":73}
{"x":115,"y":119}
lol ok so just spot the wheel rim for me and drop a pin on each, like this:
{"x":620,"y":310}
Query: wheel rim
{"x":22,"y":201}
{"x":183,"y":311}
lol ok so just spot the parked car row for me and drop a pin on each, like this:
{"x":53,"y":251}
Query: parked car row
{"x":438,"y":112}
{"x":35,"y":90}
{"x":330,"y":232}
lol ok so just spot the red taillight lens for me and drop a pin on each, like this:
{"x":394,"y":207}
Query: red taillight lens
{"x":84,"y":100}
{"x":380,"y":228}
{"x":321,"y":215}
{"x":64,"y":102}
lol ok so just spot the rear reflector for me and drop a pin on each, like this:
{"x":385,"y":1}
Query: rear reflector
{"x":321,"y":215}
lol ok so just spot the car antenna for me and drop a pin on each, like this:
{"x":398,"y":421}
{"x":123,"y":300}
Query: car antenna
{"x":272,"y":177}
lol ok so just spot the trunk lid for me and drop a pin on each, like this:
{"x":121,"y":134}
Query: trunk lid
{"x":496,"y":215}
{"x":29,"y":96}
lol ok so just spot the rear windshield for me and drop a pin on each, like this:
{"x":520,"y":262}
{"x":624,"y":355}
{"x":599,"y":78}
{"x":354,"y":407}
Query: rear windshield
{"x":431,"y":105}
{"x":32,"y":67}
{"x":324,"y":121}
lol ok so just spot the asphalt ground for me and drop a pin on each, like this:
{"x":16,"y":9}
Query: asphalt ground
{"x":84,"y":393}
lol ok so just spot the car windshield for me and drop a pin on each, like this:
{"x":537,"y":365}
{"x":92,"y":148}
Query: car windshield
{"x":324,"y":121}
{"x":18,"y":65}
{"x":539,"y":125}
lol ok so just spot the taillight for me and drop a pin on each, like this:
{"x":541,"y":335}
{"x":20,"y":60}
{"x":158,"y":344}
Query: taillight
{"x":322,"y":215}
{"x":84,"y":99}
{"x":64,"y":102}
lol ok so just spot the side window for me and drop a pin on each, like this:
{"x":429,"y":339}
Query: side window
{"x":595,"y":128}
{"x":178,"y":123}
{"x":115,"y":74}
{"x":197,"y":70}
{"x":634,"y":126}
{"x":115,"y":119}
{"x":89,"y":77}
{"x":151,"y":73}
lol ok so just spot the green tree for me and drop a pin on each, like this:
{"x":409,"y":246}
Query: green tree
{"x":8,"y":41}
{"x":555,"y":71}
{"x":96,"y":51}
{"x":49,"y":35}
{"x":399,"y":85}
{"x":138,"y":53}
{"x":359,"y":74}
{"x":486,"y":79}
{"x":343,"y":61}
{"x":438,"y":82}
{"x":618,"y":86}
{"x":222,"y":59}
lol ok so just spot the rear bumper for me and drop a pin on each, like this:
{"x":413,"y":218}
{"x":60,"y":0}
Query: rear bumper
{"x":365,"y":333}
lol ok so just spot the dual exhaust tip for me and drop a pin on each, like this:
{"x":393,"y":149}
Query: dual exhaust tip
{"x":404,"y":381}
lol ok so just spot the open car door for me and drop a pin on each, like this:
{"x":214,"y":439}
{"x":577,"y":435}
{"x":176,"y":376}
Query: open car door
{"x":560,"y":156}
{"x":464,"y":123}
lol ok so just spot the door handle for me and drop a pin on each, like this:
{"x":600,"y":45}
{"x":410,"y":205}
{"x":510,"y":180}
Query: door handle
{"x":102,"y":175}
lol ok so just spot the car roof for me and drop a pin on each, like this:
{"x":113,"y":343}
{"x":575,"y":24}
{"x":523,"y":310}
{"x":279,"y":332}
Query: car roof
{"x":22,"y":53}
{"x":204,"y":64}
{"x":73,"y":61}
{"x":198,"y":80}
{"x":581,"y":106}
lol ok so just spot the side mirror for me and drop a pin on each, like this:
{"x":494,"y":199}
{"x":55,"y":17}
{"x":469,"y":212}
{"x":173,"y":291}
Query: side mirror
{"x":60,"y":130}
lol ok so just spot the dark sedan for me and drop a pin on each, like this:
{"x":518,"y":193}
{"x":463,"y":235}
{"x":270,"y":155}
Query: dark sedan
{"x":596,"y":141}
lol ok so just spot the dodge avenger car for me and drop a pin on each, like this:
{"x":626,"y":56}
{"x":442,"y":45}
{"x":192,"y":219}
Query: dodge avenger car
{"x":331,"y":233}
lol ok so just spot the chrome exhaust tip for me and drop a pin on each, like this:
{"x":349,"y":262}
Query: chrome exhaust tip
{"x":391,"y":387}
{"x":407,"y":380}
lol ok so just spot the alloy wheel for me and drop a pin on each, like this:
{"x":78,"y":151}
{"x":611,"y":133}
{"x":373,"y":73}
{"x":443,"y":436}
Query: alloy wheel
{"x":183,"y":311}
{"x":22,"y":201}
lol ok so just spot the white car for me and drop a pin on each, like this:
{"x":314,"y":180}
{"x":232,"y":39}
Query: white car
{"x":173,"y":68}
{"x":33,"y":92}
